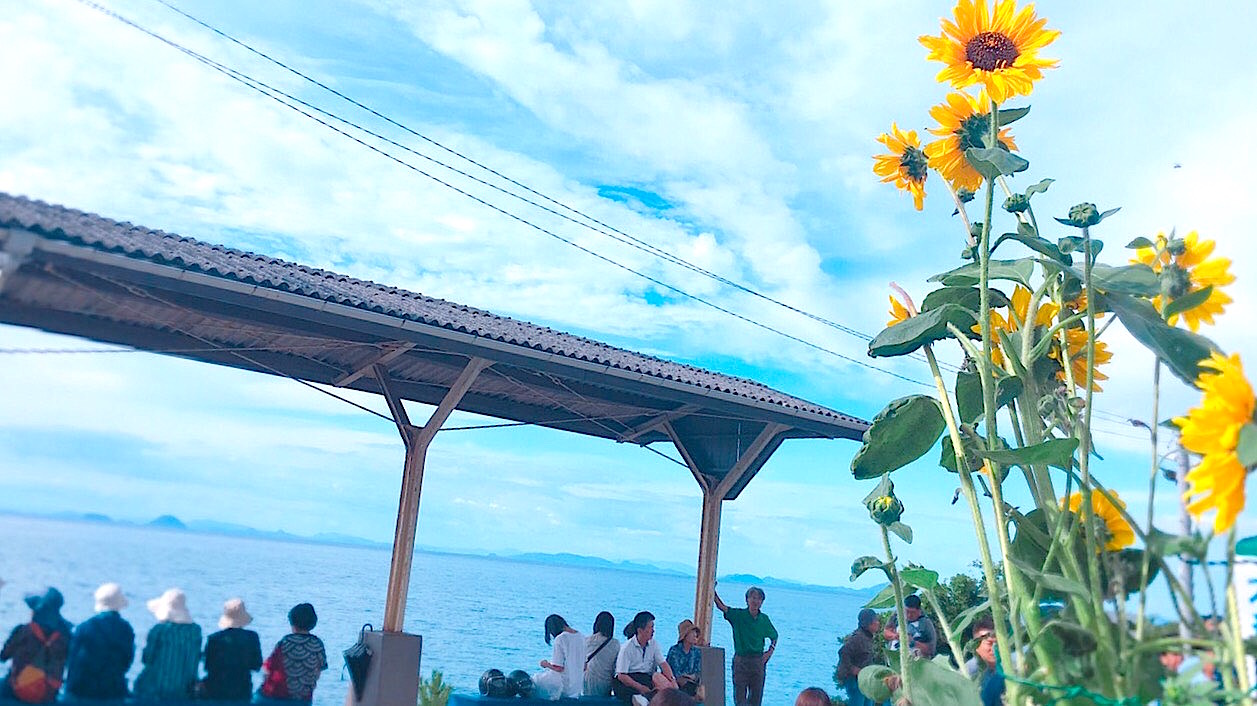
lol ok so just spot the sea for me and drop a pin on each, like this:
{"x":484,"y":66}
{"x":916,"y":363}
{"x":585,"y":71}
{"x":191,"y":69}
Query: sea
{"x":474,"y":612}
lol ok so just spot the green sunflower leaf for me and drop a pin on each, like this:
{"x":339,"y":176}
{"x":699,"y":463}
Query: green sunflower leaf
{"x":1025,"y":236}
{"x":916,"y":331}
{"x":864,"y":563}
{"x":920,"y":577}
{"x":1138,"y":279}
{"x":936,"y":685}
{"x":1179,"y":349}
{"x":1188,"y":301}
{"x":1246,"y":450}
{"x":884,"y":598}
{"x":1052,"y":582}
{"x":904,"y":531}
{"x":1139,"y":243}
{"x":992,"y":162}
{"x":966,"y":297}
{"x":1247,"y":546}
{"x":1058,"y":453}
{"x":1039,"y":188}
{"x":900,"y":434}
{"x":1019,"y":271}
{"x":1008,"y":116}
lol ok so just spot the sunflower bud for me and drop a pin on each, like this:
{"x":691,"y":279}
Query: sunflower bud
{"x":1175,"y":282}
{"x":975,"y":230}
{"x":965,"y":194}
{"x":886,"y":510}
{"x":1084,"y":215}
{"x":1176,"y":247}
{"x":1016,"y":203}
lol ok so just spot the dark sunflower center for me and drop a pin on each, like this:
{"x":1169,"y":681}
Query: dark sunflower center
{"x":914,"y":164}
{"x":991,"y":51}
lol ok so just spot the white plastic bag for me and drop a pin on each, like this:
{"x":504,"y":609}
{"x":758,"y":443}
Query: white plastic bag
{"x":547,"y":684}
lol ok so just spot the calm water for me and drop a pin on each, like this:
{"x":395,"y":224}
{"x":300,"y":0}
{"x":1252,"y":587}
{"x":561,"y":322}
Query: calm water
{"x":474,"y":613}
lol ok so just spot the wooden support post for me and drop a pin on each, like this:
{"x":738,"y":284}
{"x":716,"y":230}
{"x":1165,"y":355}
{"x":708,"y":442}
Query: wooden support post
{"x":417,"y":440}
{"x":708,"y":546}
{"x":713,"y":498}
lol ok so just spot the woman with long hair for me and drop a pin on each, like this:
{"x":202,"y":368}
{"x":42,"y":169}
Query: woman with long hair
{"x":601,"y":649}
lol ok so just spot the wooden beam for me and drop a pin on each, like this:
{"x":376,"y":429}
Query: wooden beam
{"x":417,"y":441}
{"x":395,"y":403}
{"x":389,"y":354}
{"x":743,"y":465}
{"x":656,"y":422}
{"x":703,"y":481}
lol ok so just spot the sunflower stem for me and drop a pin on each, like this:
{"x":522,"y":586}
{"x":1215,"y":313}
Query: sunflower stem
{"x":1012,"y":576}
{"x":905,"y":647}
{"x":1233,"y":620}
{"x":1107,"y":665}
{"x":1152,"y":494}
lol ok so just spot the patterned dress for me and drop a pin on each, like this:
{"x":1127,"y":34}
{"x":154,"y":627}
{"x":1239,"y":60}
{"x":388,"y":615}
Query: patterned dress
{"x":172,"y":653}
{"x":302,"y":659}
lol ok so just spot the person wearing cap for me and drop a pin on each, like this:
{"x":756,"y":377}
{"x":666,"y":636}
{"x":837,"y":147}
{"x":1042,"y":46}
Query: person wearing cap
{"x":922,"y":635}
{"x":686,"y":659}
{"x":231,"y":656}
{"x":38,"y":650}
{"x":102,"y":649}
{"x":751,"y":627}
{"x":858,"y":651}
{"x":172,"y":651}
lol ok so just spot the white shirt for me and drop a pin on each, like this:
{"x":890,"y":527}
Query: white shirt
{"x":634,"y":657}
{"x":569,"y":653}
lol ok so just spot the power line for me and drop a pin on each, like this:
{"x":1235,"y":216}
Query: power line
{"x":274,"y":94}
{"x":602,"y":228}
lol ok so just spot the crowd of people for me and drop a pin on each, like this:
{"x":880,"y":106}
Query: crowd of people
{"x":639,"y":673}
{"x":50,"y":658}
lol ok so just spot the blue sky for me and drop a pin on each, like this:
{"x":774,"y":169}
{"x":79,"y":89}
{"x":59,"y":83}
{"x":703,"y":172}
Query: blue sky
{"x":736,"y":136}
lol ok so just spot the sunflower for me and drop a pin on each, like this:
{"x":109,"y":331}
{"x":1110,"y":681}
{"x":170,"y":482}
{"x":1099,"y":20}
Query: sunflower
{"x":1018,"y":309}
{"x":998,"y":48}
{"x":898,"y":312}
{"x":1120,"y":534}
{"x":906,"y":165}
{"x":1197,"y":269}
{"x":963,"y":122}
{"x":1076,"y":344}
{"x":1213,"y":431}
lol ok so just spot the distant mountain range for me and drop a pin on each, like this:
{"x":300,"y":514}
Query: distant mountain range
{"x":174,"y":524}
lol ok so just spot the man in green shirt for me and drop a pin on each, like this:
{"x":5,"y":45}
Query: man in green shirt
{"x":750,"y":628}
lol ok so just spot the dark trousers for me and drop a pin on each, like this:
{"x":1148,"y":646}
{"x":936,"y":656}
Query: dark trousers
{"x":748,"y":680}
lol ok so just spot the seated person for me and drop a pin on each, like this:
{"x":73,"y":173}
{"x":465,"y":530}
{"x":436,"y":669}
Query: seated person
{"x":686,"y":659}
{"x":640,"y":669}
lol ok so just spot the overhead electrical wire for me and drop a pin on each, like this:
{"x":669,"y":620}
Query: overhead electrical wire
{"x":293,"y":103}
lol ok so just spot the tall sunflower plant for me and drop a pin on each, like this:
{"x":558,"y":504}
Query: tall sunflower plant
{"x":1029,"y":307}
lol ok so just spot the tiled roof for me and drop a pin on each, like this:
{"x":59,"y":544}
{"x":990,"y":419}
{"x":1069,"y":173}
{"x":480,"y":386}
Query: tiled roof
{"x":99,"y":233}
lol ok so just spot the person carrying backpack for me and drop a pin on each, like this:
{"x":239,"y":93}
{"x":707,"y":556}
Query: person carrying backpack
{"x":38,"y":650}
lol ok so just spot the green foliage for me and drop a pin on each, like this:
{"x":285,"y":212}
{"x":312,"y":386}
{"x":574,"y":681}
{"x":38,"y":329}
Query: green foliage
{"x":1179,"y":349}
{"x":965,"y":297}
{"x":434,"y":691}
{"x":864,"y":563}
{"x":872,"y":682}
{"x":1246,"y":450}
{"x":1058,"y":453}
{"x":1187,"y":302}
{"x":995,"y":161}
{"x":900,"y":434}
{"x":1019,"y":271}
{"x":916,"y":331}
{"x":936,"y":685}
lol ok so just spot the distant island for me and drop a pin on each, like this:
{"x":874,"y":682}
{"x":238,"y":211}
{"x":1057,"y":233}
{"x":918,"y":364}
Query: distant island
{"x":174,"y":524}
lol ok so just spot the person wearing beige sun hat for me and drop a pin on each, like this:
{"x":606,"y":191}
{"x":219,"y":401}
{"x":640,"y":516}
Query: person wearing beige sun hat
{"x":102,"y":649}
{"x":231,"y":656}
{"x":172,"y":650}
{"x":685,"y":658}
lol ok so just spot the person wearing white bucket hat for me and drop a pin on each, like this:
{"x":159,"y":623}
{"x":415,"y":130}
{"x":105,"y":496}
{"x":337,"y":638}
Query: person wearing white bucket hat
{"x":102,"y":649}
{"x":172,"y":651}
{"x":231,"y":656}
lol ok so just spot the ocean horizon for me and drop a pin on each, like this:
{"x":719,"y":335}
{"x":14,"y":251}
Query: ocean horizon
{"x":474,"y":612}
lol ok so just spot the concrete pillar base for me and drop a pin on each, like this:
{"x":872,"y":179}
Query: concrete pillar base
{"x":393,"y":677}
{"x":713,"y":679}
